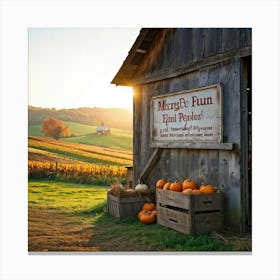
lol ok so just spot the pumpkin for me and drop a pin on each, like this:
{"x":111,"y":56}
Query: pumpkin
{"x":187,"y":191}
{"x":140,"y":213}
{"x":189,"y":184}
{"x":148,"y":206}
{"x":167,"y":186}
{"x":142,"y":188}
{"x":160,"y":183}
{"x":147,"y":217}
{"x":176,"y":186}
{"x":207,"y":189}
{"x":196,"y":191}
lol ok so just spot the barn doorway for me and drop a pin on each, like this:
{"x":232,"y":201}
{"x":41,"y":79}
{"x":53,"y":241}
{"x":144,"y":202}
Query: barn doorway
{"x":246,"y":132}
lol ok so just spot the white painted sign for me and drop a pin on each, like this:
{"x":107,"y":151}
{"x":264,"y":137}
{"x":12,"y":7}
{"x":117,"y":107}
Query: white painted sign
{"x":187,"y":116}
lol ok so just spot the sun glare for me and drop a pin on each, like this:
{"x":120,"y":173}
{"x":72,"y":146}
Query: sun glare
{"x":106,"y":95}
{"x":77,"y":67}
{"x":122,"y":97}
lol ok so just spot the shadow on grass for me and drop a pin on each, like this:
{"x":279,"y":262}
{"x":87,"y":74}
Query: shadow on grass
{"x":129,"y":235}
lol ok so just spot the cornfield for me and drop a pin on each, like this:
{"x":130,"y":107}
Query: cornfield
{"x":77,"y":173}
{"x":88,"y":153}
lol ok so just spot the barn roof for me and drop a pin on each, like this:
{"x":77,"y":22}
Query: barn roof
{"x":102,"y":128}
{"x":135,"y":56}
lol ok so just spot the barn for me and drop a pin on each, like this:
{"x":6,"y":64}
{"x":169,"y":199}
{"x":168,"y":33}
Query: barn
{"x":103,"y":130}
{"x":192,"y":111}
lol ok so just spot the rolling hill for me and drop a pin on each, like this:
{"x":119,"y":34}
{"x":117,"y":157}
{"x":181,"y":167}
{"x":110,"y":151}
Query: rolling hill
{"x":76,"y":128}
{"x":112,"y":117}
{"x":85,"y":134}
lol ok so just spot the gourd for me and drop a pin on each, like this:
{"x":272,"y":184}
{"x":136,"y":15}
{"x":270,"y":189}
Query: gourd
{"x":207,"y":189}
{"x":147,"y":217}
{"x":176,"y":186}
{"x":187,"y":191}
{"x":196,"y":191}
{"x":141,"y":188}
{"x":160,"y":183}
{"x":189,"y":184}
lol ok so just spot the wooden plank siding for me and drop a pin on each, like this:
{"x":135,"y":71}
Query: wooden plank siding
{"x":219,"y":167}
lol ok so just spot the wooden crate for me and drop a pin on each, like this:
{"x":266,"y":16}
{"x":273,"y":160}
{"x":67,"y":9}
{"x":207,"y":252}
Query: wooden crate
{"x":124,"y":207}
{"x":190,"y":214}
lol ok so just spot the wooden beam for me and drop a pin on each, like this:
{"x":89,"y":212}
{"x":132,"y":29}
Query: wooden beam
{"x":193,"y":145}
{"x":205,"y":62}
{"x":150,"y":164}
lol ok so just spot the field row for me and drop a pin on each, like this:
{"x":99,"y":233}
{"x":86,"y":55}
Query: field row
{"x":79,"y":173}
{"x":88,"y":153}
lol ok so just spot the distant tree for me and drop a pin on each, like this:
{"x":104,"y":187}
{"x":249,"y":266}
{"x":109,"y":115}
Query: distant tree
{"x":55,"y":128}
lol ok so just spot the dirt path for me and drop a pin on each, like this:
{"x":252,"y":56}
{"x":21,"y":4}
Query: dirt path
{"x":53,"y":232}
{"x":48,"y":231}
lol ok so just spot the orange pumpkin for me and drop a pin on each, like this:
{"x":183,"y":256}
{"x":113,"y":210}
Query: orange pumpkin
{"x":160,"y":183}
{"x":149,"y":206}
{"x":207,"y":189}
{"x":189,"y":184}
{"x":196,"y":191}
{"x":141,"y":213}
{"x":176,"y":186}
{"x":187,"y":191}
{"x":167,"y":186}
{"x":147,"y":217}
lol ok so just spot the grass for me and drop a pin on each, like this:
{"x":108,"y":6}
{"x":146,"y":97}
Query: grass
{"x":76,"y":129}
{"x":34,"y":130}
{"x":80,"y":129}
{"x":118,"y":141}
{"x":87,"y":206}
{"x":120,"y":138}
{"x":65,"y":197}
{"x":156,"y":237}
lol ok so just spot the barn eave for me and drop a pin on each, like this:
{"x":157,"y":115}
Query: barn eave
{"x":135,"y":57}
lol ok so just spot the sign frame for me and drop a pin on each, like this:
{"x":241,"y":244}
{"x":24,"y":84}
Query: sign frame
{"x":216,"y":143}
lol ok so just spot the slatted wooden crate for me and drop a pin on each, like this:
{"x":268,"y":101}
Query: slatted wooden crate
{"x":124,"y":207}
{"x":190,"y":214}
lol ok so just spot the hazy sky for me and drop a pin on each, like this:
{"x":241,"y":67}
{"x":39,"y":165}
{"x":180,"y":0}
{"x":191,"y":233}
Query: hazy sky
{"x":74,"y":67}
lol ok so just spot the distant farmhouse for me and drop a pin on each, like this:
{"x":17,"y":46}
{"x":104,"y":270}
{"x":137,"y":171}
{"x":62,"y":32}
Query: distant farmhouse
{"x":103,"y":130}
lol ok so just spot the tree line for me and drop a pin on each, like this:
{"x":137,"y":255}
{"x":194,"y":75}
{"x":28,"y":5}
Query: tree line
{"x":113,"y":117}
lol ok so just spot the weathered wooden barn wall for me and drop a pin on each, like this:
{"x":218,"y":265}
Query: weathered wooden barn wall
{"x":187,"y":59}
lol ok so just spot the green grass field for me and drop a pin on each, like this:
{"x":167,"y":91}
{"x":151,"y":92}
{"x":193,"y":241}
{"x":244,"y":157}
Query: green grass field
{"x":34,"y":130}
{"x":63,"y":197}
{"x":76,"y":128}
{"x":112,"y":141}
{"x":120,"y":138}
{"x":86,"y":206}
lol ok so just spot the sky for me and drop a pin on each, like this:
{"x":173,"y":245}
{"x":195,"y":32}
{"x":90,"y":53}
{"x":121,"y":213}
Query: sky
{"x":74,"y":67}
